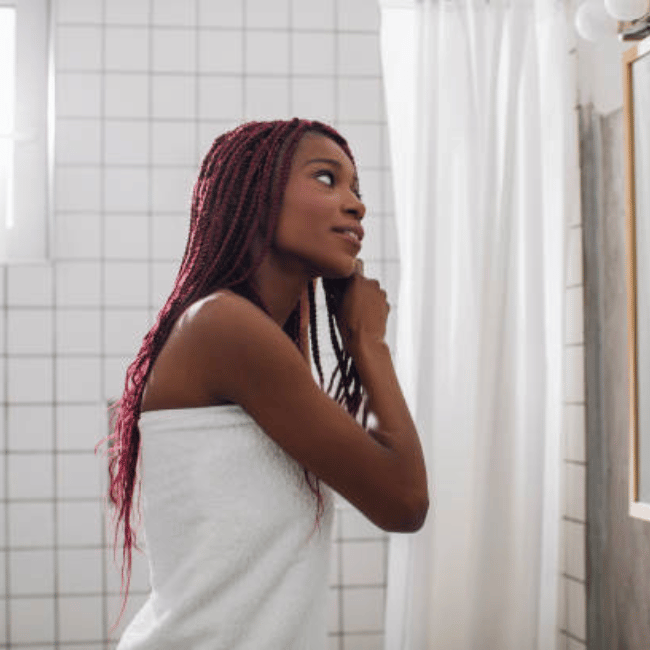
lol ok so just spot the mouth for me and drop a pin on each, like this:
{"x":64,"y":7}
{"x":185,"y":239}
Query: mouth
{"x":350,"y":237}
{"x":351,"y":233}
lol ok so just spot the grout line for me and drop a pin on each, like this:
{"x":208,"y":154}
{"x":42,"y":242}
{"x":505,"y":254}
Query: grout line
{"x":5,"y":416}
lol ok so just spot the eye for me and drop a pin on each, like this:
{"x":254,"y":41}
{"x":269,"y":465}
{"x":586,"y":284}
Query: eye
{"x":327,"y":174}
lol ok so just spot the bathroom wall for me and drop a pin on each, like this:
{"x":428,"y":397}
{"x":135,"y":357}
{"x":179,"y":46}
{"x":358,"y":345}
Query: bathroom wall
{"x":143,"y":87}
{"x":618,"y":612}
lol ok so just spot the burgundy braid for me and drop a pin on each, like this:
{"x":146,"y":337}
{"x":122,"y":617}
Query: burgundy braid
{"x":237,"y":195}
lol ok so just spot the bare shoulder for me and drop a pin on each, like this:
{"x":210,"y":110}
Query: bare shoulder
{"x":236,"y":341}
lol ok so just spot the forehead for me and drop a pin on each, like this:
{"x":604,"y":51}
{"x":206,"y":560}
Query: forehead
{"x":317,"y":146}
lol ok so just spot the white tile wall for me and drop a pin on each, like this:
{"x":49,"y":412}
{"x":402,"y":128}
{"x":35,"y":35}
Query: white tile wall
{"x":143,"y":88}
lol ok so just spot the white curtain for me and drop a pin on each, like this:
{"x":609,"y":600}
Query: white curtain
{"x":482,"y":139}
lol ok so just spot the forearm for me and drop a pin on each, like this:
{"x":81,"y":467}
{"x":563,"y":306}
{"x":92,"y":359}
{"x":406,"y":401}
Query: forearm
{"x":396,"y":429}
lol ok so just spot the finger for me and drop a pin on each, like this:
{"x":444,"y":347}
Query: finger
{"x":358,"y":266}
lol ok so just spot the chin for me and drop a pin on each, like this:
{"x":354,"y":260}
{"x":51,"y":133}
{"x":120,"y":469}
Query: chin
{"x":339,"y":272}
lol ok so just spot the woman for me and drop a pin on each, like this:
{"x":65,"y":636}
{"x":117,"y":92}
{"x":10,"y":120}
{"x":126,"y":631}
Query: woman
{"x":240,"y":447}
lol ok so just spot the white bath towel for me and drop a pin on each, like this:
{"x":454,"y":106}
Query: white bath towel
{"x":235,"y":557}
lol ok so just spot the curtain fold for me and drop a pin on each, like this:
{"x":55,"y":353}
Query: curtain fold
{"x":482,"y":135}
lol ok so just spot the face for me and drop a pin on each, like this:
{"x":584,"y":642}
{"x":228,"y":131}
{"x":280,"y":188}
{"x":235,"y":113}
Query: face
{"x":321,"y":201}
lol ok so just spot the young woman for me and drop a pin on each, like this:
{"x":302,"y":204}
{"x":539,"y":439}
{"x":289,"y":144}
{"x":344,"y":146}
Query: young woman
{"x":238,"y":446}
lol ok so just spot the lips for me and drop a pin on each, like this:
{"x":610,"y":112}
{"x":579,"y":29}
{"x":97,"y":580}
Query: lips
{"x":352,"y":231}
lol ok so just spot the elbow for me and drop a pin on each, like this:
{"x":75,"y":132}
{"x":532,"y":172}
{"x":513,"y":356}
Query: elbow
{"x":411,"y":516}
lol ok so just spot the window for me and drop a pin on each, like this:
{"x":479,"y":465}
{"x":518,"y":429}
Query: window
{"x":25,"y":133}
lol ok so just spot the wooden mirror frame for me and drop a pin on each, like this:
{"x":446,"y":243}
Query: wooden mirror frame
{"x":637,"y":508}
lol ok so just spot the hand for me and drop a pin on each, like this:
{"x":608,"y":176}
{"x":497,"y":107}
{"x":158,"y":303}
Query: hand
{"x":361,"y":307}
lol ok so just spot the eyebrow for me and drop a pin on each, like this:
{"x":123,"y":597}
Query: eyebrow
{"x":334,"y":162}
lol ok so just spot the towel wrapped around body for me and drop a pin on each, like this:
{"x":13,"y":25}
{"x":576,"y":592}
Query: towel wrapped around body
{"x":236,"y":559}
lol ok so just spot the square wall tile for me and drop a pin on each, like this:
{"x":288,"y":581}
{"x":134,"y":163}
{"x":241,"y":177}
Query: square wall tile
{"x":363,"y":610}
{"x":126,"y":189}
{"x":126,"y":95}
{"x":174,"y":143}
{"x":80,"y":618}
{"x":79,"y":571}
{"x":360,"y":15}
{"x":126,"y":284}
{"x":174,"y":13}
{"x":314,"y":98}
{"x":78,"y":475}
{"x":577,"y":609}
{"x":78,"y":331}
{"x":363,"y":563}
{"x":78,"y":94}
{"x":124,"y":330}
{"x":359,"y":54}
{"x":32,"y":620}
{"x":31,"y":476}
{"x":220,"y":13}
{"x":77,"y":189}
{"x":77,"y":236}
{"x":169,"y":236}
{"x":574,"y":264}
{"x":30,"y":379}
{"x":126,"y":236}
{"x":78,"y":284}
{"x":30,"y":524}
{"x":221,"y":51}
{"x":575,"y":493}
{"x":574,"y":373}
{"x":29,"y":331}
{"x":174,"y":97}
{"x":575,"y":550}
{"x":574,"y":324}
{"x":30,"y":428}
{"x":365,"y":141}
{"x":172,"y":189}
{"x":80,"y":427}
{"x":162,"y":282}
{"x":114,"y":376}
{"x":29,"y":286}
{"x":575,"y":432}
{"x":359,"y":100}
{"x":313,"y":53}
{"x":127,"y":48}
{"x":31,"y":573}
{"x":127,"y":12}
{"x":78,"y":11}
{"x":263,"y":14}
{"x":78,"y":379}
{"x":267,"y":52}
{"x":77,"y":141}
{"x":126,"y":142}
{"x":78,"y":47}
{"x":267,"y":98}
{"x":79,"y":522}
{"x":220,"y":98}
{"x":313,"y":14}
{"x":174,"y":50}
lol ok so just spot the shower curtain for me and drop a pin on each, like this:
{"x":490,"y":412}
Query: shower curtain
{"x":482,"y":136}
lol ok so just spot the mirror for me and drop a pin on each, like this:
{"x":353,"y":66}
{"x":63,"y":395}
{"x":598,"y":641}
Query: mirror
{"x":636,"y":106}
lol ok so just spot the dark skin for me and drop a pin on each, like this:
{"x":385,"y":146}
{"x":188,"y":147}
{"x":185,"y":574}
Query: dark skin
{"x":226,"y":350}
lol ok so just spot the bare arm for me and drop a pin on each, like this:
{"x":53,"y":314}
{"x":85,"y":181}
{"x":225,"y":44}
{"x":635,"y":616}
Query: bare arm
{"x":247,"y":359}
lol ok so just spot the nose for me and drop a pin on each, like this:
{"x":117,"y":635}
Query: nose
{"x":355,"y":206}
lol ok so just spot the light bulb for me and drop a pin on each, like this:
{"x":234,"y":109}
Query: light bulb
{"x":627,"y":9}
{"x":593,"y":22}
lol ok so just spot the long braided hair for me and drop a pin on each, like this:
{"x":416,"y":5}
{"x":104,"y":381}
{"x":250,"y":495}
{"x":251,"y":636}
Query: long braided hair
{"x":237,"y":196}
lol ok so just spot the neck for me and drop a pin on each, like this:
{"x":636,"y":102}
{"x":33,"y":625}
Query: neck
{"x":279,"y":289}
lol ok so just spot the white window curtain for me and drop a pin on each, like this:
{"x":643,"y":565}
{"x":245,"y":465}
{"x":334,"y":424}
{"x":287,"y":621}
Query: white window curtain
{"x":483,"y":139}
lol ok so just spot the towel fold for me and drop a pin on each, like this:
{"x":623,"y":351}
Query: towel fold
{"x":236,"y":560}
